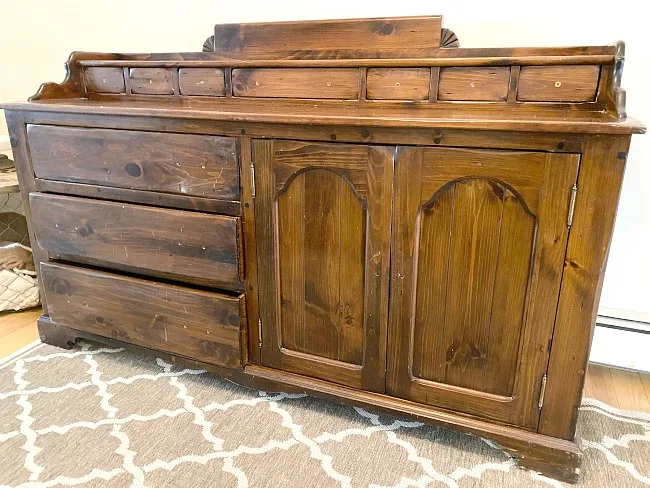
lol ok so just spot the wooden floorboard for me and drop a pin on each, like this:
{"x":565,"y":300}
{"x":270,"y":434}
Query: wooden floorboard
{"x":618,"y":388}
{"x":18,"y":329}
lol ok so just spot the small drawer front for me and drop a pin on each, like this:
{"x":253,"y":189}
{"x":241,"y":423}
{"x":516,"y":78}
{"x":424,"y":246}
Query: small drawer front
{"x":204,"y":166}
{"x":151,"y":81}
{"x":192,"y":323}
{"x":174,"y":244}
{"x":202,"y":82}
{"x":558,"y":83}
{"x":473,"y":84}
{"x":336,"y":83}
{"x":398,"y":83}
{"x":104,"y":80}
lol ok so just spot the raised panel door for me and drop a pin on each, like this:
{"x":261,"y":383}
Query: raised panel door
{"x":323,"y":217}
{"x":478,"y":253}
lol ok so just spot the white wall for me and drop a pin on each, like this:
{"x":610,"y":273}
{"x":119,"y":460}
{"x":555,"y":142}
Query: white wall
{"x":37,"y":37}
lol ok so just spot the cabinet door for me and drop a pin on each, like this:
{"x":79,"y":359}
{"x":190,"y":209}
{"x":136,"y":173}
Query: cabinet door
{"x":323,"y":216}
{"x":479,"y":244}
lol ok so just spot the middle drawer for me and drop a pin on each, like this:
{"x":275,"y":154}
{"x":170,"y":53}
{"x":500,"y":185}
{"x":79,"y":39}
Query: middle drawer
{"x":189,"y":246}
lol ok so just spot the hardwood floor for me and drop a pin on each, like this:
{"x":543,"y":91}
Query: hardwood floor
{"x":17,"y":329}
{"x":616,"y":387}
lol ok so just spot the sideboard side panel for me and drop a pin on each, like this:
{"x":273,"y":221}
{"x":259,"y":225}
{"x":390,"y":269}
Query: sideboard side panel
{"x":25,"y":173}
{"x":599,"y":186}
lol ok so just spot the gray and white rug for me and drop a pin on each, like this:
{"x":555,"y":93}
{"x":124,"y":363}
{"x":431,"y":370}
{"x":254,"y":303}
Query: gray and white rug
{"x":100,"y":416}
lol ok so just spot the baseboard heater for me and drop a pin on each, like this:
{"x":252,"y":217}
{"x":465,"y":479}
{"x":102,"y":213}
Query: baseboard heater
{"x":622,"y":340}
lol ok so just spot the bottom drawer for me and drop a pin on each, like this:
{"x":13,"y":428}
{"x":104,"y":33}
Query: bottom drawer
{"x":192,"y":323}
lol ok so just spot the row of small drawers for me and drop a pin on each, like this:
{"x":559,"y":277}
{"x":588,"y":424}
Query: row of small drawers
{"x":182,"y":246}
{"x":535,"y":83}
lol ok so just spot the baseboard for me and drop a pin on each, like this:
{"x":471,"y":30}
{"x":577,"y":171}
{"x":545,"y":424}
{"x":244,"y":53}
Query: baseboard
{"x":621,"y":342}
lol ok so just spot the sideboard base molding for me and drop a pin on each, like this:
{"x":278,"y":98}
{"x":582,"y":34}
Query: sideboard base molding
{"x":552,"y":457}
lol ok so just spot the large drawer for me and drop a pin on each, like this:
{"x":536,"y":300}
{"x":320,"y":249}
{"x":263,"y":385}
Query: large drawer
{"x":175,"y":244}
{"x":190,"y":164}
{"x":191,"y":323}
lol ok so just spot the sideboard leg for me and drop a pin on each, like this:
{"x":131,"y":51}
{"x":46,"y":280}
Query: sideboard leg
{"x":54,"y":334}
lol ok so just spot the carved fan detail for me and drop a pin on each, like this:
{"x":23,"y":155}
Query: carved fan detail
{"x":208,"y":45}
{"x":448,"y":38}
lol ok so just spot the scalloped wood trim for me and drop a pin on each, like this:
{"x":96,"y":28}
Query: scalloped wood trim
{"x":72,"y":84}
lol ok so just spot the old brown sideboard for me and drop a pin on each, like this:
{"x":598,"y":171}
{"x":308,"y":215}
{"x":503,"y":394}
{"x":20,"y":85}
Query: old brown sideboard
{"x":361,"y":210}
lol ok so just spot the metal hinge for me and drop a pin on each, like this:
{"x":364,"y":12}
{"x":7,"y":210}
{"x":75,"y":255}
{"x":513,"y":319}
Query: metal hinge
{"x":253,"y":180}
{"x":572,"y":205}
{"x":259,"y":324}
{"x":542,"y":391}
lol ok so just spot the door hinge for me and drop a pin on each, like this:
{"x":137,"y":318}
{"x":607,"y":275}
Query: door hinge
{"x":572,"y":205}
{"x":542,"y":391}
{"x":259,"y":324}
{"x":253,"y":180}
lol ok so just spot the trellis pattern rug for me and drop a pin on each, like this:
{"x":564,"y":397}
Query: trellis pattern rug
{"x":100,"y":416}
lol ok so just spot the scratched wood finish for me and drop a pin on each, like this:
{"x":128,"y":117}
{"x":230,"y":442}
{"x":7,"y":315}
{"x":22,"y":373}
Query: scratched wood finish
{"x":202,"y":82}
{"x":477,"y":240}
{"x":398,"y":83}
{"x":191,"y":323}
{"x":188,"y":246}
{"x":558,"y":83}
{"x":465,"y":223}
{"x":339,"y":83}
{"x":151,"y":81}
{"x":601,"y":176}
{"x":323,"y":223}
{"x":155,"y":199}
{"x":405,"y":37}
{"x":347,"y":115}
{"x":104,"y":80}
{"x":175,"y":163}
{"x":473,"y":84}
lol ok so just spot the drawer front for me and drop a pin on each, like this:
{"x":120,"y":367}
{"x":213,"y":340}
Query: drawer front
{"x":175,"y":244}
{"x":558,"y":83}
{"x":474,"y":84}
{"x":151,"y":81}
{"x":204,"y":166}
{"x":191,"y":323}
{"x":104,"y":80}
{"x":398,"y":83}
{"x":335,"y":83}
{"x":202,"y":82}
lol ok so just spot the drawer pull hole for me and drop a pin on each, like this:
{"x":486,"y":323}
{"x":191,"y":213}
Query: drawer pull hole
{"x":558,"y":84}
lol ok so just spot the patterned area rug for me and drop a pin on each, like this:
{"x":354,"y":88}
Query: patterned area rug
{"x":97,"y":416}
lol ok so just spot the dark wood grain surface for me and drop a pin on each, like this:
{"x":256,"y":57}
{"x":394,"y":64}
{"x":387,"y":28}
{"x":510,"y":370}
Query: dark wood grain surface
{"x":174,"y":163}
{"x":362,"y":168}
{"x":331,"y":39}
{"x":339,"y":83}
{"x":478,"y":243}
{"x":558,"y":83}
{"x":398,"y":83}
{"x":191,"y":323}
{"x":187,"y":246}
{"x":324,"y":210}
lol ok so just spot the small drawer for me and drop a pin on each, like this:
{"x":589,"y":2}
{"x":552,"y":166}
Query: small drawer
{"x":104,"y":80}
{"x":151,"y":81}
{"x":191,"y":323}
{"x":558,"y":83}
{"x":175,"y":244}
{"x":398,"y":83}
{"x":337,"y":83}
{"x":204,"y":166}
{"x":473,"y":84}
{"x":207,"y":82}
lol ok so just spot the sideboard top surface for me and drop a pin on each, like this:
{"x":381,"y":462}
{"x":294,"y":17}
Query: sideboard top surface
{"x":352,"y":114}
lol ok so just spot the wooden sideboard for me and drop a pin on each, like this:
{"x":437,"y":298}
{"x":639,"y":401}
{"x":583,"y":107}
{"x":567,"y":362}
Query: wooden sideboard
{"x":360,"y":210}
